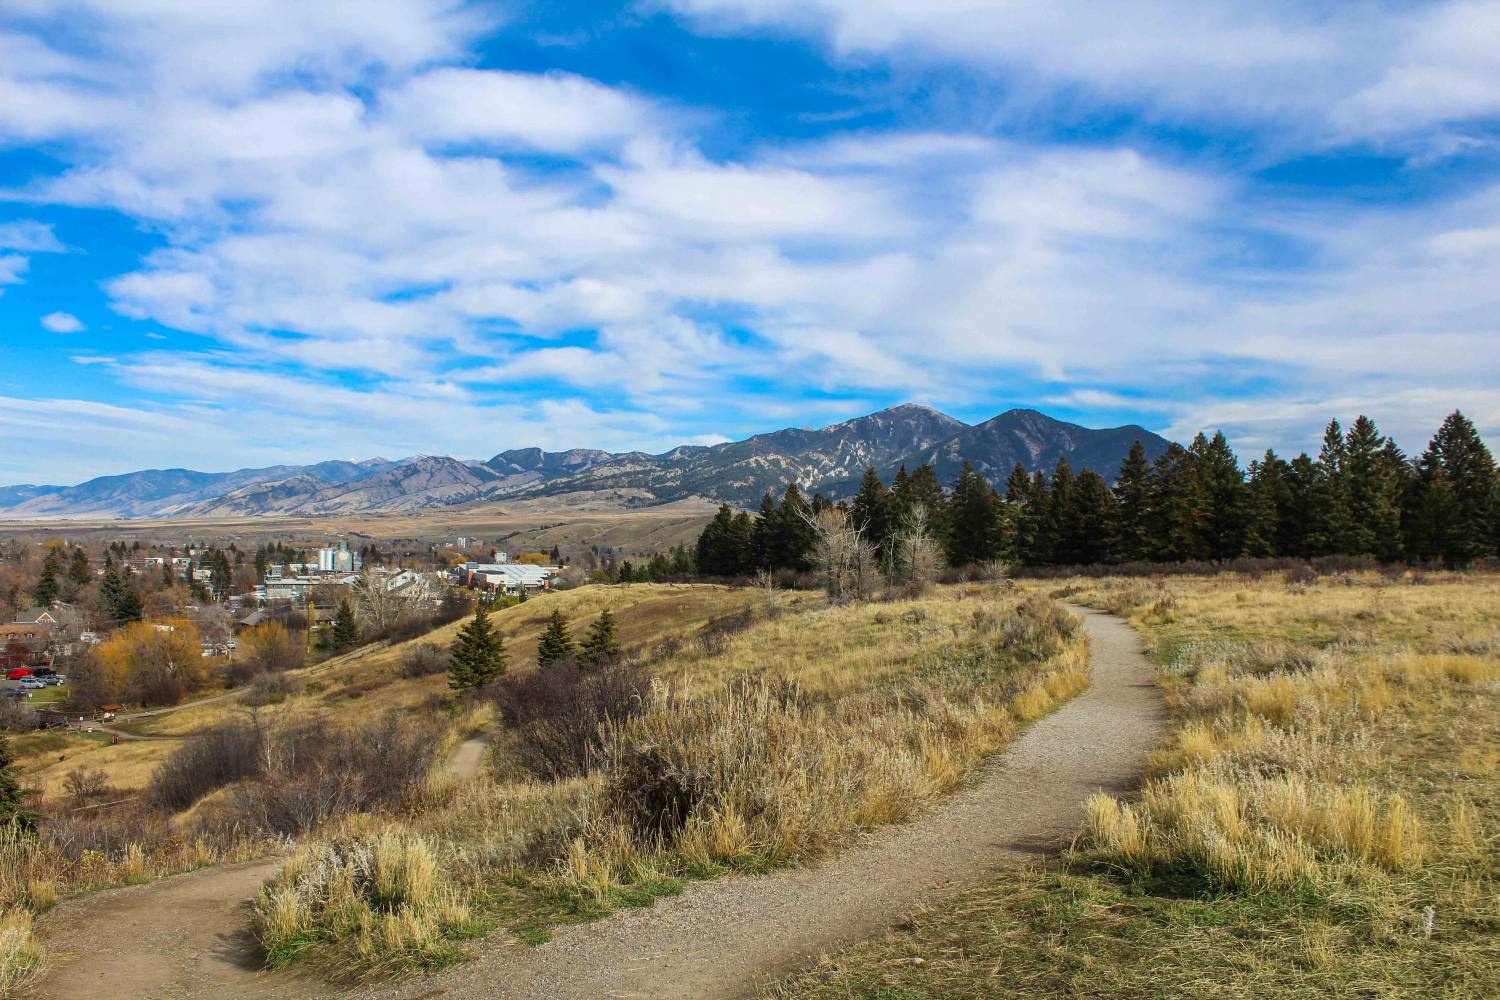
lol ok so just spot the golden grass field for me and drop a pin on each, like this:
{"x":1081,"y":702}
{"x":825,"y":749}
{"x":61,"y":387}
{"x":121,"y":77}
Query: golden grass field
{"x":809,"y":725}
{"x":857,"y":715}
{"x":368,"y":681}
{"x":1324,"y":821}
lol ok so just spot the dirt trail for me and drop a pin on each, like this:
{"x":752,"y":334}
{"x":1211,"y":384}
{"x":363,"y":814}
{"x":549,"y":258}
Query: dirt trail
{"x":720,"y":939}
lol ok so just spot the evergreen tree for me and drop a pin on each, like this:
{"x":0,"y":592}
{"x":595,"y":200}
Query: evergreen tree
{"x":167,"y":579}
{"x":1430,"y":514}
{"x":78,"y":568}
{"x":1026,"y":510}
{"x":120,"y":598}
{"x":46,"y":588}
{"x":724,"y":545}
{"x":1375,"y":477}
{"x":478,"y":655}
{"x":1470,"y":469}
{"x":1179,"y":508}
{"x":1059,"y":525}
{"x":1090,"y":520}
{"x":1329,"y":529}
{"x":1266,"y":495}
{"x":1133,"y":506}
{"x":556,"y":643}
{"x":976,"y":523}
{"x":793,"y":539}
{"x":1294,"y":524}
{"x":345,"y":628}
{"x":12,"y":795}
{"x":872,"y":512}
{"x":925,"y":489}
{"x":601,"y":646}
{"x":763,"y":534}
{"x":1224,"y":490}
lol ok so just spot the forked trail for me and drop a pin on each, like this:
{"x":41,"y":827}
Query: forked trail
{"x":722,"y":939}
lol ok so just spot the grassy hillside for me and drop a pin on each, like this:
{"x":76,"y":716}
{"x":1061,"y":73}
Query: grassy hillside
{"x":1325,"y":821}
{"x":767,"y":738}
{"x":363,"y":684}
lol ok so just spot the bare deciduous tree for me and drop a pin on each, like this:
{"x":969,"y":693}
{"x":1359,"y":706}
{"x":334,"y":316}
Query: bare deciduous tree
{"x":916,"y":557}
{"x":844,"y":559}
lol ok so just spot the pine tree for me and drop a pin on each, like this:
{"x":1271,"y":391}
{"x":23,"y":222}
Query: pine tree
{"x":724,"y":545}
{"x":167,"y":579}
{"x":925,"y":489}
{"x":1375,"y":476}
{"x":1329,"y":529}
{"x":793,"y":537}
{"x":872,"y":512}
{"x":1091,"y":520}
{"x":601,"y":646}
{"x":556,"y":643}
{"x":763,"y":529}
{"x":1133,"y":506}
{"x":1179,"y":508}
{"x":78,"y":568}
{"x":46,"y":588}
{"x":12,"y":795}
{"x":1266,"y":495}
{"x":1430,"y":513}
{"x":976,"y":522}
{"x":1224,"y":490}
{"x":345,"y":628}
{"x":1060,"y":510}
{"x":1025,"y":510}
{"x":478,"y":655}
{"x":1470,"y":471}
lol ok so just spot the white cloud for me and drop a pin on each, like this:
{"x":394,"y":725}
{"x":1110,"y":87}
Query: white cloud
{"x":12,"y":267}
{"x":1321,"y":73}
{"x":61,"y":322}
{"x":556,"y":112}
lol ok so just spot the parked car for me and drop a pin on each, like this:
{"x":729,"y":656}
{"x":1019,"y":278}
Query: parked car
{"x":17,"y":673}
{"x":56,"y":680}
{"x":15,"y":692}
{"x":33,"y":683}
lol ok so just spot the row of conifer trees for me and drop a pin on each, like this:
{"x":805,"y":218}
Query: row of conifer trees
{"x":1360,"y":495}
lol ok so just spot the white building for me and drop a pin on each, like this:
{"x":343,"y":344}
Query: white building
{"x":338,"y":559}
{"x":506,"y":578}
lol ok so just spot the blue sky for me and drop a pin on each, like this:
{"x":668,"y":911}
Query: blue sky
{"x":275,"y":231}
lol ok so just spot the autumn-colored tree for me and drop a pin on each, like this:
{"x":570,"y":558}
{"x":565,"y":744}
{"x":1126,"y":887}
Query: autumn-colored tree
{"x":149,"y":663}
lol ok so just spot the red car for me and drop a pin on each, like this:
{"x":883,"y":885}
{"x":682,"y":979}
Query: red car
{"x":17,"y":674}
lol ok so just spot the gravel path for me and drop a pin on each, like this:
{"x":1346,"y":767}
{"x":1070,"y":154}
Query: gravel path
{"x":720,"y":939}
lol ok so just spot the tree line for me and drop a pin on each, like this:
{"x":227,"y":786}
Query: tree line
{"x":1361,"y":495}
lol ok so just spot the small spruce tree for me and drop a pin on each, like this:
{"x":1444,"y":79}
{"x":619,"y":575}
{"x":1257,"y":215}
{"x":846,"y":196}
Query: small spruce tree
{"x":556,"y":643}
{"x":345,"y":629}
{"x":601,"y":646}
{"x":478,"y":656}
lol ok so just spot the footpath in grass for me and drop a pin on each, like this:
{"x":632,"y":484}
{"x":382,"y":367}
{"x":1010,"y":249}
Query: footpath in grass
{"x":1325,"y":822}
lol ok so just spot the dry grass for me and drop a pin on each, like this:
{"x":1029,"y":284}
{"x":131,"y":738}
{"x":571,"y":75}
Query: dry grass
{"x":763,"y":745}
{"x":21,"y":956}
{"x":1324,"y":821}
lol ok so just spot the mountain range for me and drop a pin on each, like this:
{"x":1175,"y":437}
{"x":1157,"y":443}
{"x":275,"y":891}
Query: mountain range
{"x":829,"y":459}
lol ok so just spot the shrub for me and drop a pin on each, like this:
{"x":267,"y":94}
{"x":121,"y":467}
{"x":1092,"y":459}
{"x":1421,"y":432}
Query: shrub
{"x":423,"y":660}
{"x":271,"y":689}
{"x":553,"y":714}
{"x":208,"y":760}
{"x":313,"y":773}
{"x":267,"y":648}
